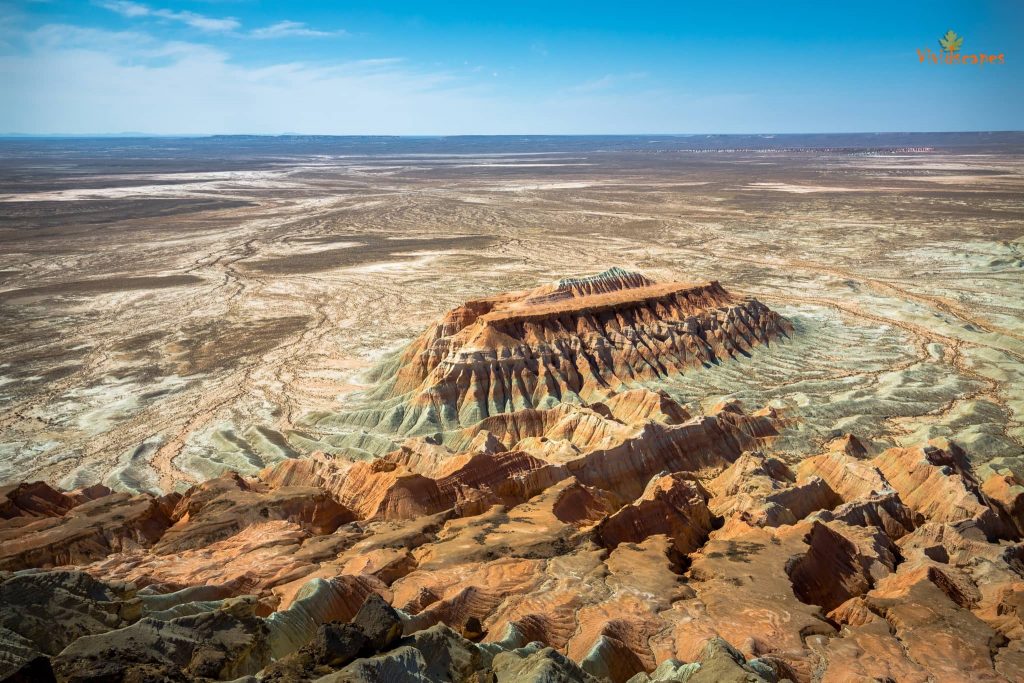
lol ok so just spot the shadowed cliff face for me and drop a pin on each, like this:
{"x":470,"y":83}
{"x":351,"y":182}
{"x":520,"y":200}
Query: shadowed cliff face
{"x":568,"y":523}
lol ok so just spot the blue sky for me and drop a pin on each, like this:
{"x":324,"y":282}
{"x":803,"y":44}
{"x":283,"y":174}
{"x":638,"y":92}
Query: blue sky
{"x":238,"y":66}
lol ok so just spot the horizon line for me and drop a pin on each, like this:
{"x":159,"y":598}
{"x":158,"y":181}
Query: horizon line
{"x":139,"y":134}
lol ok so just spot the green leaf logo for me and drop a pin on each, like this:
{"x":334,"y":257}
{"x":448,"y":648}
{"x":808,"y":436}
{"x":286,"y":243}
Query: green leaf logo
{"x":951,"y":41}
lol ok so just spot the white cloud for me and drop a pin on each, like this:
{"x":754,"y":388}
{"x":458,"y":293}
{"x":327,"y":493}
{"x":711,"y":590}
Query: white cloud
{"x":136,"y":10}
{"x":58,"y":41}
{"x":125,"y":8}
{"x":290,"y":29}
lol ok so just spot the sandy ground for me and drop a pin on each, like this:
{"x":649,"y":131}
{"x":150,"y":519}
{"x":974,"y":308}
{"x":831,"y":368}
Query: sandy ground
{"x":157,"y":327}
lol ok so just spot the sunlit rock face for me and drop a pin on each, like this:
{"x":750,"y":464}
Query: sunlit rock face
{"x":577,"y":340}
{"x":548,"y":516}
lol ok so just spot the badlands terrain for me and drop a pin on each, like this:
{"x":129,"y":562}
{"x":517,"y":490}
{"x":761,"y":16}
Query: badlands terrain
{"x":586,"y":409}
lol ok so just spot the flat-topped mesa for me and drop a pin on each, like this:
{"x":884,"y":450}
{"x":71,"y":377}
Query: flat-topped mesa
{"x":611,"y":280}
{"x":578,"y":340}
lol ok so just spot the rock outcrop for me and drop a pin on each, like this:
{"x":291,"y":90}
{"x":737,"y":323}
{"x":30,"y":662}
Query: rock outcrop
{"x":579,"y":341}
{"x":85,"y":532}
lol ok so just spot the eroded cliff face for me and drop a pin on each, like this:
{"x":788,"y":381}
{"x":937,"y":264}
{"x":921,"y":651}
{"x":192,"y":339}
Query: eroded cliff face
{"x":579,"y":340}
{"x":617,"y":536}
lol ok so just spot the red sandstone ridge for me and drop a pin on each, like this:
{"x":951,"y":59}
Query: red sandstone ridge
{"x":727,"y":562}
{"x":578,"y":340}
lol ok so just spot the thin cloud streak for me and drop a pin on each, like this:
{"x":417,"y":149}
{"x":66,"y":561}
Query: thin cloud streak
{"x":281,"y":29}
{"x":293,"y":29}
{"x":136,"y":10}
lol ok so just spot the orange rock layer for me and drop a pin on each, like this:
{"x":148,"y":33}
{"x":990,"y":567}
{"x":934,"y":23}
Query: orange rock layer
{"x":626,"y":547}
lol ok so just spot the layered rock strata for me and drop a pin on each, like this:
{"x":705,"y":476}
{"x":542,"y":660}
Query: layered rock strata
{"x":605,"y":535}
{"x":579,"y":340}
{"x":723,"y":562}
